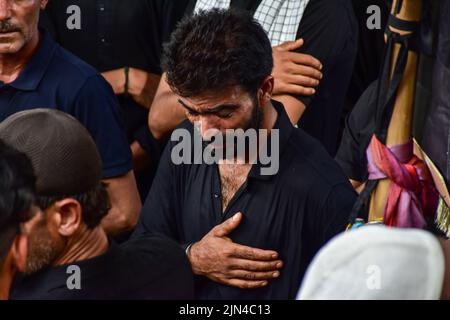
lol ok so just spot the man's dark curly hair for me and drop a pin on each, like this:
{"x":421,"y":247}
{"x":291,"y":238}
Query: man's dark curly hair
{"x":215,"y":50}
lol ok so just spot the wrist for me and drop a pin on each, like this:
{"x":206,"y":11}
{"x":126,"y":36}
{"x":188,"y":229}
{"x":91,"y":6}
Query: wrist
{"x":190,"y":253}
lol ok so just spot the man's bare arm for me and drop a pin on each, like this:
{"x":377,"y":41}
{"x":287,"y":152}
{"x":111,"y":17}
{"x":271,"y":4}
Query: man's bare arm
{"x":165,"y":113}
{"x":125,"y":204}
{"x":293,"y":107}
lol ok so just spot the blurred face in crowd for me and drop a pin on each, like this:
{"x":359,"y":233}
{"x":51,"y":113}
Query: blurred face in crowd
{"x":18,"y":24}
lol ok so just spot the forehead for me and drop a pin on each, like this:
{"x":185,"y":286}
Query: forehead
{"x":233,"y":95}
{"x":22,"y":3}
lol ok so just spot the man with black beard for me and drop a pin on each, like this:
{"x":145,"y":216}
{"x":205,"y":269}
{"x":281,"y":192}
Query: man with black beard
{"x":242,"y":227}
{"x":66,"y":235}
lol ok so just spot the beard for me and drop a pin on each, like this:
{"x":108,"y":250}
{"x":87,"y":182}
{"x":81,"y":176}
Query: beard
{"x":42,"y":248}
{"x":254,"y":122}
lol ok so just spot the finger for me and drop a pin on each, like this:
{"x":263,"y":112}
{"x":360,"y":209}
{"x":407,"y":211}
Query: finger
{"x":290,"y":45}
{"x":246,"y":284}
{"x":248,"y":275}
{"x":302,"y":80}
{"x":293,"y":45}
{"x":244,"y":252}
{"x":297,"y":90}
{"x":228,"y":226}
{"x":304,"y":59}
{"x":257,"y":266}
{"x":303,"y":70}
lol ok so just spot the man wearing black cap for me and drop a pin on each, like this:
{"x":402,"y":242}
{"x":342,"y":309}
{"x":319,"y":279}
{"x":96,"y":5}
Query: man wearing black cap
{"x":35,"y":72}
{"x":16,"y":213}
{"x":70,"y":256}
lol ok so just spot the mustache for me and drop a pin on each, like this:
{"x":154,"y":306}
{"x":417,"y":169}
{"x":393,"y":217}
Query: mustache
{"x":8,"y":26}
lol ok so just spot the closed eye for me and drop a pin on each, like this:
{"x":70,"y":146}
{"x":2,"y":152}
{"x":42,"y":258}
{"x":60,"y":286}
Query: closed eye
{"x":225,"y":114}
{"x":192,"y":113}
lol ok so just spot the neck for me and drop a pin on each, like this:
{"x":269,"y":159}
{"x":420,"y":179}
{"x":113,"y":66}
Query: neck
{"x":90,"y":243}
{"x":11,"y":64}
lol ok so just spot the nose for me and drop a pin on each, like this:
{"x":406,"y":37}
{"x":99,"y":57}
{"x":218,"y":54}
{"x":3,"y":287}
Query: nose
{"x":208,"y":127}
{"x":5,"y":9}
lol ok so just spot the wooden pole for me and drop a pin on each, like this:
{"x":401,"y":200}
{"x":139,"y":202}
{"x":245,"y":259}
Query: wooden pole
{"x":400,"y":126}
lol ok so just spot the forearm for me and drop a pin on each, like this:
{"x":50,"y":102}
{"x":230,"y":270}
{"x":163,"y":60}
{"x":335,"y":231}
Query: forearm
{"x":164,"y":117}
{"x":116,"y":78}
{"x":293,"y":107}
{"x":142,"y":86}
{"x":125,"y":204}
{"x":166,"y":113}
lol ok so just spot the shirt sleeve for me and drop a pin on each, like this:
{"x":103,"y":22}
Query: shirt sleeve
{"x":96,"y":107}
{"x":333,"y":216}
{"x":326,"y":219}
{"x":348,"y":153}
{"x":359,"y":127}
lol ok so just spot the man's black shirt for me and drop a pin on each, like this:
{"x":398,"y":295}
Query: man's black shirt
{"x":147,"y":267}
{"x":293,"y":212}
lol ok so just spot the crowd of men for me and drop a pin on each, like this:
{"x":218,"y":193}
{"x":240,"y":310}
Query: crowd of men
{"x":92,"y":94}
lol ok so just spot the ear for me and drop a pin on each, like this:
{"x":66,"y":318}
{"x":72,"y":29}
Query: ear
{"x":67,"y":216}
{"x":43,"y":4}
{"x":19,"y":251}
{"x":266,"y":90}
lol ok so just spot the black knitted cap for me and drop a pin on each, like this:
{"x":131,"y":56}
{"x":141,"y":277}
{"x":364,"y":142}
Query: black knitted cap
{"x":64,"y":156}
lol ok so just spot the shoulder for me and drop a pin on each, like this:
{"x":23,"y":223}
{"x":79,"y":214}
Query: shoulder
{"x":315,"y":167}
{"x":76,"y":78}
{"x":365,"y":107}
{"x":71,"y":66}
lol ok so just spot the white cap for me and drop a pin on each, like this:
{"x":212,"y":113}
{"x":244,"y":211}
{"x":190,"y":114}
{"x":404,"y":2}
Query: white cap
{"x":377,"y":262}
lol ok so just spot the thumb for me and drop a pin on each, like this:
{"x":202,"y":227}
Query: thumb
{"x":292,"y":45}
{"x":228,"y":226}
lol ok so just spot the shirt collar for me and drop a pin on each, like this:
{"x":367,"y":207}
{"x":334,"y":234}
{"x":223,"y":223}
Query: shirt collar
{"x":51,"y":278}
{"x":285,"y":129}
{"x":34,"y":71}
